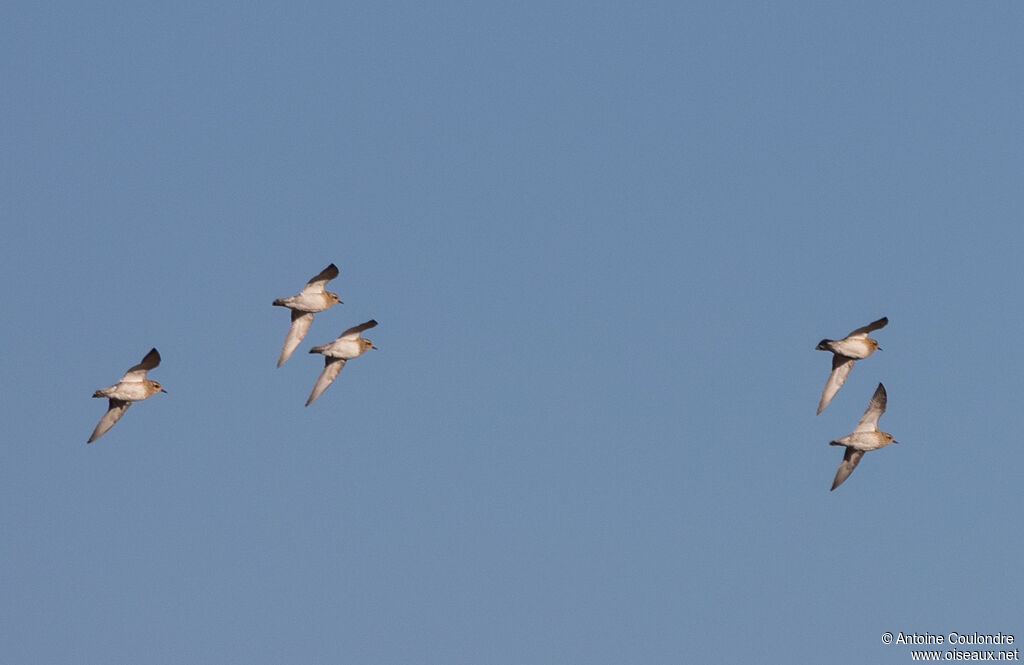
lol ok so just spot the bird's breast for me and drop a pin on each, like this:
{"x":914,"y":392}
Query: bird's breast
{"x":343,"y":348}
{"x":866,"y":440}
{"x":130,"y":391}
{"x":306,"y":302}
{"x":853,"y":348}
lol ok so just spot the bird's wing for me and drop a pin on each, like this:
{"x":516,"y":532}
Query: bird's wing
{"x":353,"y":332}
{"x":115,"y":410}
{"x":317,"y":284}
{"x":841,"y":366}
{"x":874,"y":325}
{"x":846,"y":467}
{"x":876,"y":407}
{"x":332,"y":366}
{"x":301,"y":321}
{"x":138,"y":372}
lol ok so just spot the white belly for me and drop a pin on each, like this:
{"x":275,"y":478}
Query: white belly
{"x":343,"y":348}
{"x":853,"y":348}
{"x":129,"y":392}
{"x":308,"y":302}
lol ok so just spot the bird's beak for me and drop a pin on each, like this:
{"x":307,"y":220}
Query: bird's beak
{"x":162,"y":390}
{"x":895,"y":441}
{"x":881,"y":349}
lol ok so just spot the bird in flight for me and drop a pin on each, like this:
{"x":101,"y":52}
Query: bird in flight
{"x":313,"y":298}
{"x":855,"y":346}
{"x":865,"y":437}
{"x":350,"y":344}
{"x":133,"y":387}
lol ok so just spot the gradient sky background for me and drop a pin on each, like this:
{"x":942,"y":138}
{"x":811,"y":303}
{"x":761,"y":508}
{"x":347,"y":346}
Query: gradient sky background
{"x":601,"y":241}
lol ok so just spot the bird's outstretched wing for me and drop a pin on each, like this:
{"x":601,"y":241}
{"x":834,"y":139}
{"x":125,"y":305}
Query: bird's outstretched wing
{"x":301,"y":321}
{"x":846,"y":467}
{"x":841,"y":366}
{"x":138,"y":372}
{"x":876,"y":407}
{"x":874,"y":325}
{"x":332,"y":366}
{"x":353,"y":332}
{"x":317,"y":284}
{"x":115,"y":410}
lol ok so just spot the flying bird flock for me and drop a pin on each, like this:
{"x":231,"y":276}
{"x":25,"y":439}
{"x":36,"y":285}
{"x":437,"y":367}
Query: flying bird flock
{"x":314,"y":298}
{"x":866,"y":436}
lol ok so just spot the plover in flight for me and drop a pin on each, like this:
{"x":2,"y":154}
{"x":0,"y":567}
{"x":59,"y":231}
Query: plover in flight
{"x":313,"y":298}
{"x":349,"y":344}
{"x":133,"y":387}
{"x":865,"y":437}
{"x":855,"y":346}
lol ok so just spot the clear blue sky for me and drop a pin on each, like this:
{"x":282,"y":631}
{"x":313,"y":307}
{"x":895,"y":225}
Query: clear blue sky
{"x":601,"y":241}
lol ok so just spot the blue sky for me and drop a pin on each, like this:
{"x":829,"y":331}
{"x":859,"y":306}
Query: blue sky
{"x":601,"y":241}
